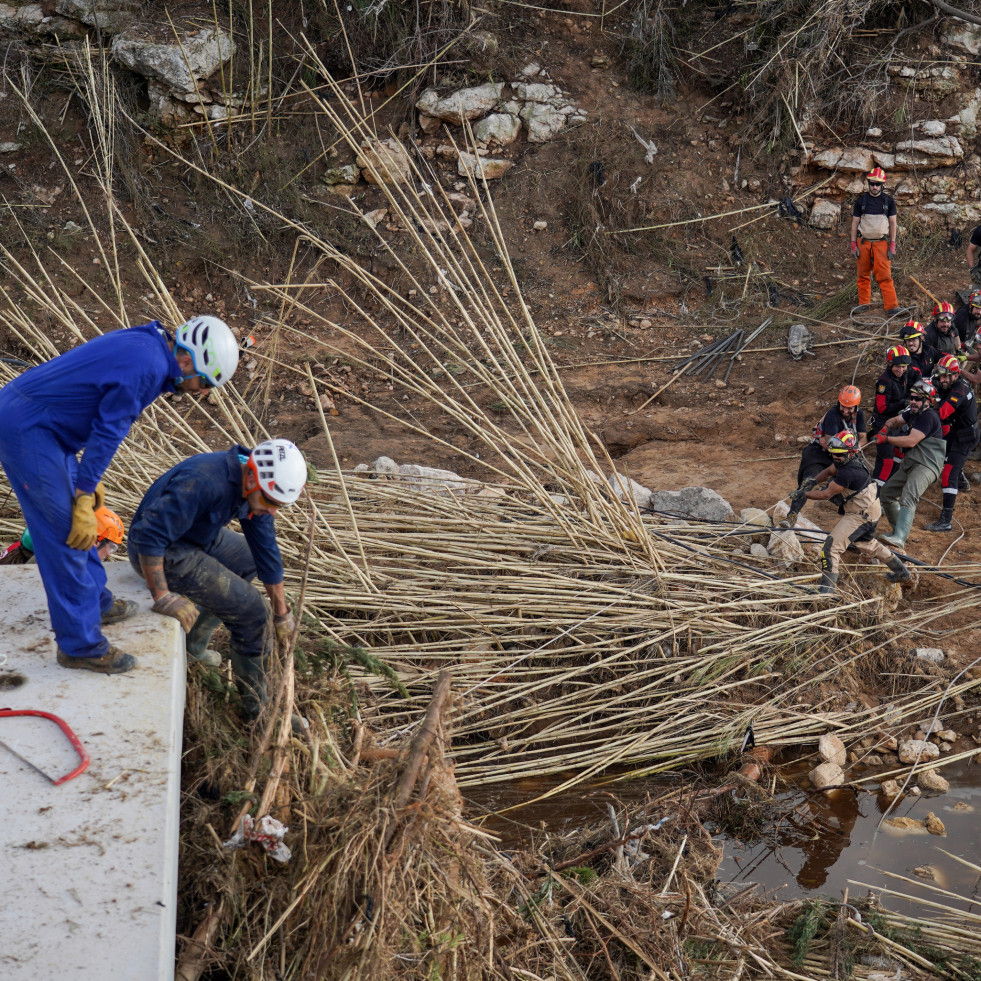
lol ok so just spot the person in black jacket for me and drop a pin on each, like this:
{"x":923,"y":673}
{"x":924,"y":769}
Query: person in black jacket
{"x":958,"y":411}
{"x":846,"y":416}
{"x":923,"y":358}
{"x":891,"y":395}
{"x":968,"y":318}
{"x":940,"y":333}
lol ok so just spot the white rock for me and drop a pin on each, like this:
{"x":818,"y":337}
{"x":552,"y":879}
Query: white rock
{"x":693,"y":502}
{"x":542,"y":122}
{"x":487,"y":167}
{"x":824,"y":213}
{"x":624,"y":487}
{"x":538,"y":92}
{"x":932,"y":654}
{"x":826,"y":775}
{"x":832,"y":750}
{"x":531,"y":69}
{"x":968,"y":115}
{"x":932,"y":127}
{"x":785,"y":547}
{"x":932,"y":782}
{"x":947,"y":735}
{"x":961,"y":37}
{"x":540,"y":226}
{"x":885,"y":160}
{"x":889,"y":789}
{"x":942,"y":151}
{"x":10,"y":147}
{"x":911,"y":750}
{"x":499,"y":127}
{"x":758,"y":551}
{"x":856,"y":158}
{"x":873,"y":132}
{"x":469,"y":103}
{"x":110,"y":16}
{"x":179,"y":62}
{"x":385,"y":162}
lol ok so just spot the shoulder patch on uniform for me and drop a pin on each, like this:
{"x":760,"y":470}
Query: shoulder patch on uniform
{"x":881,"y":389}
{"x":953,"y":400}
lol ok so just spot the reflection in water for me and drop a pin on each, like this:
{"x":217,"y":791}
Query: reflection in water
{"x":833,"y":833}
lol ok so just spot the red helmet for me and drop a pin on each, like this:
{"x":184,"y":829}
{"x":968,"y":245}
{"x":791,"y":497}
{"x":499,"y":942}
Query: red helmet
{"x":947,"y":309}
{"x":974,"y":299}
{"x":925,"y":389}
{"x":898,"y":355}
{"x":876,"y":176}
{"x":948,"y":365}
{"x":911,"y":331}
{"x":843,"y":443}
{"x":849,"y":396}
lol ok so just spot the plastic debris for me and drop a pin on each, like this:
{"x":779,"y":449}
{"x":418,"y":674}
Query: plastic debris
{"x":267,"y":831}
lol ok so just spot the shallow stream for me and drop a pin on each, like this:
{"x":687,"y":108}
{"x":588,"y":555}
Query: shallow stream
{"x":838,"y":847}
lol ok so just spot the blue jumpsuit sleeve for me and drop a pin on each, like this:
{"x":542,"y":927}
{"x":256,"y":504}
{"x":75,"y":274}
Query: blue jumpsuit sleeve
{"x":118,"y":410}
{"x":260,"y":534}
{"x":168,"y":517}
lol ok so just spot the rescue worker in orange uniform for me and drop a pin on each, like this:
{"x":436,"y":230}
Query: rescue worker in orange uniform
{"x":873,"y":242}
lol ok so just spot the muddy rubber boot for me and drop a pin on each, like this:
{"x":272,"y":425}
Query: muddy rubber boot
{"x":943,"y":522}
{"x":250,"y":680}
{"x":196,"y":642}
{"x":890,"y":512}
{"x":829,"y":583}
{"x":901,"y":526}
{"x":899,"y":571}
{"x":963,"y":484}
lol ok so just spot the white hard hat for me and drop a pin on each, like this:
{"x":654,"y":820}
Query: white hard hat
{"x":279,"y":469}
{"x":212,"y":347}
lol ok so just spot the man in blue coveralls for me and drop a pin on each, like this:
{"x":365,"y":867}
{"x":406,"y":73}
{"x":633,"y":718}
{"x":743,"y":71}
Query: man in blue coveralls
{"x":200,"y":572}
{"x":87,"y":399}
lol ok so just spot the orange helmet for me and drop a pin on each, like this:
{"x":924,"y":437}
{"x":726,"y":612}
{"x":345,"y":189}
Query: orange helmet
{"x":898,"y":355}
{"x":948,"y":365}
{"x":946,"y":309}
{"x":109,"y":526}
{"x":911,"y":331}
{"x":876,"y":176}
{"x":849,"y":396}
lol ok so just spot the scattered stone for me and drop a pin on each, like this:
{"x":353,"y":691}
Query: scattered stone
{"x":963,"y":806}
{"x":934,"y":654}
{"x":693,"y":502}
{"x":826,"y":775}
{"x":934,"y":825}
{"x":385,"y":162}
{"x":346,"y":174}
{"x":947,"y":735}
{"x":925,"y":872}
{"x":599,"y":61}
{"x":376,"y":217}
{"x":905,"y":824}
{"x":10,"y":147}
{"x":932,"y":782}
{"x":873,"y":132}
{"x":108,"y":16}
{"x":831,"y":749}
{"x":464,"y":104}
{"x":625,"y":487}
{"x":540,"y":226}
{"x":758,"y":551}
{"x":873,"y":760}
{"x":885,"y":741}
{"x":757,"y":518}
{"x":962,"y":37}
{"x":890,"y":789}
{"x":824,"y":214}
{"x":543,"y":122}
{"x":485,"y":167}
{"x":499,"y":128}
{"x":913,"y":750}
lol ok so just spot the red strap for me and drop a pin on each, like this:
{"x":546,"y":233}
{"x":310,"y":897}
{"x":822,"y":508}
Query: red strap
{"x":64,"y":727}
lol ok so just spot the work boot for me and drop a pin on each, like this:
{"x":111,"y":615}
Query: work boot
{"x":250,"y":680}
{"x":120,"y":610}
{"x":829,"y":582}
{"x":963,"y":484}
{"x":901,"y":526}
{"x":112,"y":662}
{"x":894,"y":311}
{"x":862,"y":308}
{"x":899,"y":571}
{"x":943,"y":522}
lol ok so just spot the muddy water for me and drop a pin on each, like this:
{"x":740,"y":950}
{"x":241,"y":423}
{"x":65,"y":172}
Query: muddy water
{"x":835,"y":845}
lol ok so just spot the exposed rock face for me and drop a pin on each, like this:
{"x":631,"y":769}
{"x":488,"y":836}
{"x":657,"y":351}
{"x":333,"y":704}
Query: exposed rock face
{"x":180,"y":63}
{"x":942,"y":151}
{"x":855,"y":158}
{"x":385,"y":162}
{"x":824,"y":213}
{"x":464,"y":104}
{"x":693,"y":502}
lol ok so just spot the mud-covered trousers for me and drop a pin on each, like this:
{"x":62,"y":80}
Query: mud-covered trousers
{"x":855,"y":528}
{"x":219,"y":581}
{"x":42,"y":473}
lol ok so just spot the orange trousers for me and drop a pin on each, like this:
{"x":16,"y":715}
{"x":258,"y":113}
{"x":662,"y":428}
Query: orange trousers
{"x":873,"y":258}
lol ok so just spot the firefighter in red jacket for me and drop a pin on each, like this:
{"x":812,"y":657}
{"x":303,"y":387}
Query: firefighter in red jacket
{"x":958,"y":411}
{"x":891,"y":395}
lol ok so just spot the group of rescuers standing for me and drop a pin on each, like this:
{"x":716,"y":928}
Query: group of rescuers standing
{"x":925,"y":417}
{"x":197,"y":569}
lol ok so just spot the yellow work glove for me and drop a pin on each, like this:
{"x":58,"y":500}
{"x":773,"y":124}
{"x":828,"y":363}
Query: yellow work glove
{"x":285,"y":625}
{"x":100,"y":495}
{"x":85,"y":527}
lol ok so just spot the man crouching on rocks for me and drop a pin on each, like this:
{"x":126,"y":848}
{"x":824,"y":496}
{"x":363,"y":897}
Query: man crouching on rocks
{"x":200,"y":572}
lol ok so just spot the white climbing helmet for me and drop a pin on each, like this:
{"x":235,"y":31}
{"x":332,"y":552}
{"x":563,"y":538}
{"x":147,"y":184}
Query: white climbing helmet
{"x":212,"y":347}
{"x":279,"y":470}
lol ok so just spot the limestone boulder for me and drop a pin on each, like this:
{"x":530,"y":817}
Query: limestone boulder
{"x":500,"y":128}
{"x":624,"y":487}
{"x":693,"y":502}
{"x":832,"y":750}
{"x":826,"y":775}
{"x":824,"y":214}
{"x":759,"y":519}
{"x":464,"y":104}
{"x":913,"y":750}
{"x":856,"y":158}
{"x":488,"y":168}
{"x":961,"y":37}
{"x":932,"y":127}
{"x":542,"y":122}
{"x":181,"y":61}
{"x":384,"y":162}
